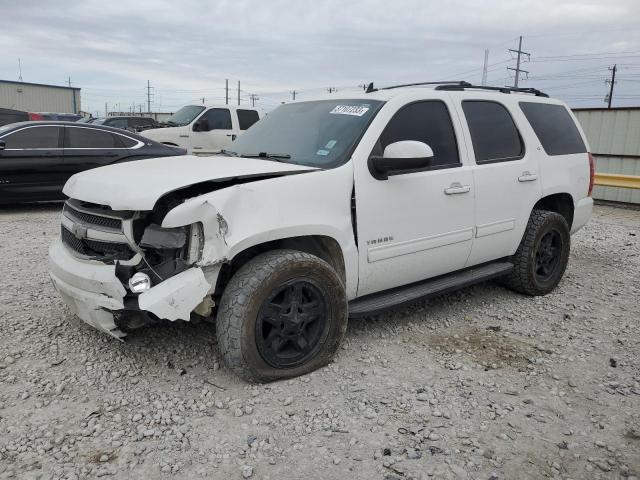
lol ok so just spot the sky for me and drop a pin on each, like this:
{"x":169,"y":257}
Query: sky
{"x":186,"y":49}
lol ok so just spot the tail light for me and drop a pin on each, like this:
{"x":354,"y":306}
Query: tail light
{"x":592,"y":173}
{"x":36,"y":116}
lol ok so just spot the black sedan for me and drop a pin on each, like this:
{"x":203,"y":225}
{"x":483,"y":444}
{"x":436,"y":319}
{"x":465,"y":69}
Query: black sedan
{"x":133,"y":124}
{"x":37,"y":158}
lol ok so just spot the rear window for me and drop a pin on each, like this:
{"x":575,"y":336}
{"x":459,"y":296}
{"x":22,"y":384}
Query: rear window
{"x":246,"y":118}
{"x":77,"y":137}
{"x":554,"y":128}
{"x":494,"y":135}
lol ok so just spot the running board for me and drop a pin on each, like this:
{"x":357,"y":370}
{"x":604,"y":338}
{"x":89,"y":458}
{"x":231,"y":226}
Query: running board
{"x":378,"y":302}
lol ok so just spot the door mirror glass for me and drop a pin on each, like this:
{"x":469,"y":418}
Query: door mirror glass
{"x":201,"y":125}
{"x":401,"y":157}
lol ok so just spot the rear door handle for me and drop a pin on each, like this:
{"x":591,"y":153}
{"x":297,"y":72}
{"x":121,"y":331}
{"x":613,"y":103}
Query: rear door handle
{"x":457,"y":188}
{"x":527,"y":177}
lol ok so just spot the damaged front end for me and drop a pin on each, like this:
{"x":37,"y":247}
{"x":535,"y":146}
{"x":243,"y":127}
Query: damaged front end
{"x":123,"y":269}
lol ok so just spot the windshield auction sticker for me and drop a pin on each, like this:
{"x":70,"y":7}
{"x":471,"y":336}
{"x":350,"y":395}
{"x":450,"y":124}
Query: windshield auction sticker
{"x":355,"y":110}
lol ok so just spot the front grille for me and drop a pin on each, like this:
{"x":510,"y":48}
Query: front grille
{"x":95,"y":220}
{"x":95,"y":248}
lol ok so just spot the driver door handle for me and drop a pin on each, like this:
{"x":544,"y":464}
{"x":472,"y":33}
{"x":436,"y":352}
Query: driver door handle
{"x":457,"y":188}
{"x":527,"y":177}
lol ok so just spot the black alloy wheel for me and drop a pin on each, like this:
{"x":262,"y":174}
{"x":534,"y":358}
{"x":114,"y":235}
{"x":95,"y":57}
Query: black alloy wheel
{"x":290,"y":324}
{"x":548,"y":255}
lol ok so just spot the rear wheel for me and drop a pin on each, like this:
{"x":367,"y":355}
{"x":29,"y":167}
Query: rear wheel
{"x":283,"y":314}
{"x":542,"y":256}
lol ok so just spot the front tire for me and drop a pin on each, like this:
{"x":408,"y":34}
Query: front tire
{"x":283,"y":314}
{"x":542,"y":256}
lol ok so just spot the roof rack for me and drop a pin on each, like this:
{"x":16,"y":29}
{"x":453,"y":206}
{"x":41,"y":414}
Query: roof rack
{"x":463,"y":85}
{"x":460,"y":85}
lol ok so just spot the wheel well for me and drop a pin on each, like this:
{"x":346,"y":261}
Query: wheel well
{"x":323,"y":247}
{"x":561,"y":203}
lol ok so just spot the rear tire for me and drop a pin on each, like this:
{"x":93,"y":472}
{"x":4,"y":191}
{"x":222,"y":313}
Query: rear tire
{"x":283,"y":314}
{"x":542,"y":256}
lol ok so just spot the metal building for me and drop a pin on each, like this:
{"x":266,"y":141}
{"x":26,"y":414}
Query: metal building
{"x":614,"y":138}
{"x":36,"y":97}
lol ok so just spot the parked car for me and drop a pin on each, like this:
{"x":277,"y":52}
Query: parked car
{"x":61,"y":117}
{"x":7,"y":116}
{"x":133,"y":124}
{"x":330,"y":208}
{"x":203,"y":130}
{"x":37,"y":158}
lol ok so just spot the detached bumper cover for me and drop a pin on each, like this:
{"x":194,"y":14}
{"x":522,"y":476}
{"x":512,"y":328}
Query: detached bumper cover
{"x":90,"y":288}
{"x":94,"y":293}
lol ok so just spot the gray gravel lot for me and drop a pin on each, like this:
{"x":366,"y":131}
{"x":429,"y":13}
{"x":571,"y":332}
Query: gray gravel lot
{"x":480,"y":384}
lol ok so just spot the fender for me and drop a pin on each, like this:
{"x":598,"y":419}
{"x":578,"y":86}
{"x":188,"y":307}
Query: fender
{"x":242,"y":216}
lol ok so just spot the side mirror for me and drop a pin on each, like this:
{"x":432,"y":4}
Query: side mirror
{"x":3,"y":145}
{"x":402,"y":157}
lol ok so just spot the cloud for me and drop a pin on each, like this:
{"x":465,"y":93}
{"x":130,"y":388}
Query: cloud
{"x":187,"y":49}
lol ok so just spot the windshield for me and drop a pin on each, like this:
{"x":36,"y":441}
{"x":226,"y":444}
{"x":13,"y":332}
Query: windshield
{"x":318,"y":133}
{"x":185,"y":115}
{"x":98,"y":121}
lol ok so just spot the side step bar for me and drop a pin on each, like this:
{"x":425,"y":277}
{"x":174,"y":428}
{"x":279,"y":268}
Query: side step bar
{"x":377,"y":302}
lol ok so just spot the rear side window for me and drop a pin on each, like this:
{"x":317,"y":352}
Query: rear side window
{"x":34,"y":137}
{"x":428,"y":122}
{"x":554,"y":128}
{"x":126,"y":141}
{"x":494,"y":135}
{"x":246,"y":118}
{"x":89,"y":138}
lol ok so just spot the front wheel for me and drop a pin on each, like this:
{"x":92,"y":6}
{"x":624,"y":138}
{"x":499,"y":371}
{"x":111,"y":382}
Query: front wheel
{"x":542,"y":256}
{"x":283,"y":314}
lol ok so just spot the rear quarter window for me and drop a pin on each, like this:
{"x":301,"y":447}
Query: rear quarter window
{"x":246,"y":118}
{"x":554,"y":127}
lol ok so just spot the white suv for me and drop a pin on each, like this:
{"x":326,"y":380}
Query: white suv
{"x":327,"y":209}
{"x":204,"y":129}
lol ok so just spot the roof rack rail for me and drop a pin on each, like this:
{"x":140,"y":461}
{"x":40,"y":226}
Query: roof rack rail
{"x":533,"y":91}
{"x":456,"y":83}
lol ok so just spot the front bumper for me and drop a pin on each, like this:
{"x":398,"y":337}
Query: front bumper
{"x":94,"y":293}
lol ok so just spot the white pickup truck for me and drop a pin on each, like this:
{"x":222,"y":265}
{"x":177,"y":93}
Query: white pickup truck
{"x":204,"y":129}
{"x":327,"y":209}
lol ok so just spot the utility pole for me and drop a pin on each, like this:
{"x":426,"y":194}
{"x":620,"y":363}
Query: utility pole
{"x":226,"y":89}
{"x":69,"y":81}
{"x":106,"y":113}
{"x":148,"y":96}
{"x":253,"y":98}
{"x":612,"y":82}
{"x":484,"y":68}
{"x":19,"y":70}
{"x":332,"y":89}
{"x":202,"y":100}
{"x":238,"y":92}
{"x":518,"y":70}
{"x":293,"y":94}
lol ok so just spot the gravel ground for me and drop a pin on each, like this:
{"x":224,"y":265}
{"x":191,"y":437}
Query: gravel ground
{"x":480,"y":384}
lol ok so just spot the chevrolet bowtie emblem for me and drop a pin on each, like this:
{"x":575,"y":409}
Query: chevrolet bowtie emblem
{"x":79,"y":231}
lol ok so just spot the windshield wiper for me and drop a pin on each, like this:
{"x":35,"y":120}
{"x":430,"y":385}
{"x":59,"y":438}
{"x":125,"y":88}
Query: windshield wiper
{"x":269,"y":156}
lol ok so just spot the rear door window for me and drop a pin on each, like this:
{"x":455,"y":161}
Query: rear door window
{"x":33,"y":137}
{"x":246,"y":118}
{"x":494,"y":134}
{"x":554,"y":127}
{"x":78,"y":137}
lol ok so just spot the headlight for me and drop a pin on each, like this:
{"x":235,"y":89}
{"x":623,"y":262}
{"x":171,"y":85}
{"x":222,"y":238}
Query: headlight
{"x":140,"y":282}
{"x":196,"y":242}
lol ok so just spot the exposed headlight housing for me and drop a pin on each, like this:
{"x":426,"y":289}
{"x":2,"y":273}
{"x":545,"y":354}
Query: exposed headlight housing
{"x":196,"y":242}
{"x":139,"y":282}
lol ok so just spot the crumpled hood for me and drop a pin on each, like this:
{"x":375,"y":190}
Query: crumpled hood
{"x":138,"y":185}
